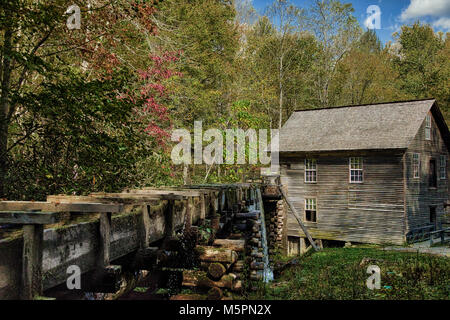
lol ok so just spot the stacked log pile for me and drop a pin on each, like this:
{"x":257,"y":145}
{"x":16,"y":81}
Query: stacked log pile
{"x":277,"y":223}
{"x":220,"y":269}
{"x":254,"y":248}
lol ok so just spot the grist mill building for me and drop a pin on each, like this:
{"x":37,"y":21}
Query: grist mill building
{"x":370,"y":173}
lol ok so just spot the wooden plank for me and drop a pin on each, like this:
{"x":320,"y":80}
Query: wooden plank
{"x":32,"y":261}
{"x":202,"y":207}
{"x":151,"y":191}
{"x":63,"y":198}
{"x":130,"y":197}
{"x":146,"y":226}
{"x":189,"y":208}
{"x":169,"y":214}
{"x":105,"y":240}
{"x":28,"y":217}
{"x":59,"y":207}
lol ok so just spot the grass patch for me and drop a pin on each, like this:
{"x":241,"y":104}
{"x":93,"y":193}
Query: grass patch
{"x":340,"y":273}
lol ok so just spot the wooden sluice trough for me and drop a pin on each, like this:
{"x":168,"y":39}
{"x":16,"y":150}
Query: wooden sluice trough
{"x":97,"y":231}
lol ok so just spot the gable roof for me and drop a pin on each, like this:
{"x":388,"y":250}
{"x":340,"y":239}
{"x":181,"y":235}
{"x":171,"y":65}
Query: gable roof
{"x":365,"y":127}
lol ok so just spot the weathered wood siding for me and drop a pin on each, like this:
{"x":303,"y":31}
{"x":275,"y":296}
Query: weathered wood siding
{"x":418,"y":195}
{"x":372,"y":211}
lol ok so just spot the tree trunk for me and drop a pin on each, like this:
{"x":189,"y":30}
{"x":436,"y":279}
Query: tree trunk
{"x":216,"y":270}
{"x":280,"y":121}
{"x":4,"y":107}
{"x":213,"y":254}
{"x":236,"y":245}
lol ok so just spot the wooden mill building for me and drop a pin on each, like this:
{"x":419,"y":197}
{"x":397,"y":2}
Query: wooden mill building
{"x":369,"y":173}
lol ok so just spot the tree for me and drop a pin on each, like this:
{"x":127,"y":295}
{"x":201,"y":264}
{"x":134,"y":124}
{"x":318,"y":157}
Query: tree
{"x":38,"y":52}
{"x":286,"y":20}
{"x":336,"y":29}
{"x":365,"y":74}
{"x":423,"y":63}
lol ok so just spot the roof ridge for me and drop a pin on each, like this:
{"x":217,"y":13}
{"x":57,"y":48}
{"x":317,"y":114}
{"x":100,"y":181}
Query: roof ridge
{"x":363,"y":105}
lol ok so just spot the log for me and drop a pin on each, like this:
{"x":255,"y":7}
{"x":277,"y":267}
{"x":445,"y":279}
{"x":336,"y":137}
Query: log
{"x":256,"y":265}
{"x":213,"y":254}
{"x":193,"y":278}
{"x":256,"y":275}
{"x":32,"y":261}
{"x":238,"y":266}
{"x":257,"y":254}
{"x":247,"y":215}
{"x":237,"y":286}
{"x":235,"y":236}
{"x":241,"y":226}
{"x":216,"y":270}
{"x":215,"y":293}
{"x":236,"y":245}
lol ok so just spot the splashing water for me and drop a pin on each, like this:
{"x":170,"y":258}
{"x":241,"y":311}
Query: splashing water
{"x":268,"y":273}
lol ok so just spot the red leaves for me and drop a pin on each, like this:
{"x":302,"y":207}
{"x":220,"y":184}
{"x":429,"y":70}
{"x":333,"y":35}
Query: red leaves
{"x":154,"y":94}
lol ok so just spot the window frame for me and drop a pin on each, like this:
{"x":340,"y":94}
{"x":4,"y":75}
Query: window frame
{"x":306,"y":209}
{"x":350,"y":169}
{"x":418,"y":165}
{"x":442,"y":168}
{"x":428,"y":125}
{"x":307,"y":170}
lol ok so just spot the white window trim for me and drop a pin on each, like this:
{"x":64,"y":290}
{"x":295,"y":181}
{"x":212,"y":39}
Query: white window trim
{"x":310,"y":170}
{"x":418,"y":166}
{"x":304,"y":211}
{"x":428,"y":125}
{"x":350,"y":170}
{"x":442,"y":156}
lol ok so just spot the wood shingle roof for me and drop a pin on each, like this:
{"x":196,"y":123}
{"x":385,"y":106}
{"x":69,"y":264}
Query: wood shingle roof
{"x":366,"y":127}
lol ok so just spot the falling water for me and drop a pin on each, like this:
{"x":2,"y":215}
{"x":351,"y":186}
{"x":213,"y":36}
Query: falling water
{"x":268,"y":273}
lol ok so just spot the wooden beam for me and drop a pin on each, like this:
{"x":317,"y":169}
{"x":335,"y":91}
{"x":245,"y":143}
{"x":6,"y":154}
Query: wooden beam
{"x":202,"y":207}
{"x":189,"y":211}
{"x":169,"y":214}
{"x":105,"y":240}
{"x":146,"y":226}
{"x":28,"y":217}
{"x":186,"y":193}
{"x":132,"y":197}
{"x":32,"y":261}
{"x":63,"y":198}
{"x":59,"y":207}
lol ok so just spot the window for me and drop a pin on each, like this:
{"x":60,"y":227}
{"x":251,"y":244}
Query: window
{"x":356,"y":170}
{"x":416,"y":165}
{"x":442,"y":167}
{"x":310,"y":210}
{"x":428,"y":127}
{"x":432,"y":174}
{"x":310,"y":170}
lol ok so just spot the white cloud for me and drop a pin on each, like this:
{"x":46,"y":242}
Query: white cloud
{"x":420,"y":8}
{"x":442,"y":23}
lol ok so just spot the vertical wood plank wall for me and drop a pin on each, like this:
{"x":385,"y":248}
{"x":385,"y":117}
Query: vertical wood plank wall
{"x":371,"y":212}
{"x":419,"y":196}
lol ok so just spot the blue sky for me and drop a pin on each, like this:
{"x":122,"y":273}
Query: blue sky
{"x":394,"y":13}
